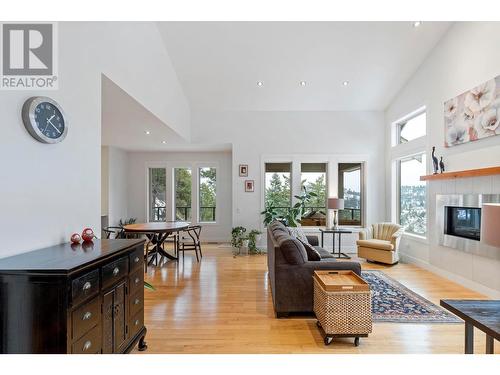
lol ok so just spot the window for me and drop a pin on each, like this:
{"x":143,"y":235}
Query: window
{"x":350,"y":189}
{"x":412,"y":194}
{"x":313,"y":179}
{"x":207,"y":194}
{"x":277,"y":188}
{"x":411,"y":128}
{"x":182,"y":198}
{"x":157,"y":194}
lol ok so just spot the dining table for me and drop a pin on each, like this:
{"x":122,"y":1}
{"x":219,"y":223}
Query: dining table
{"x":158,"y":233}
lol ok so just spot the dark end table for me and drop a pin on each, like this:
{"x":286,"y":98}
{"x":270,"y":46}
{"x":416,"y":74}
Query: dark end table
{"x":340,"y":232}
{"x":482,"y":314}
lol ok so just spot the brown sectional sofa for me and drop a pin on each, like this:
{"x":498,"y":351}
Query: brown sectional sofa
{"x":290,"y":272}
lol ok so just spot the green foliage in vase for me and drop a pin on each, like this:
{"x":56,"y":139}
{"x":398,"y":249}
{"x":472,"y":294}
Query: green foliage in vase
{"x":237,"y":237}
{"x":252,"y":241}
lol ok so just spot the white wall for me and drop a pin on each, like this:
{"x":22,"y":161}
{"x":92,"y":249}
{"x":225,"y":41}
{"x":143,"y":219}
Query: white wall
{"x":139,"y":162}
{"x":465,"y":57}
{"x":48,"y":192}
{"x":118,"y":185}
{"x":336,"y":136}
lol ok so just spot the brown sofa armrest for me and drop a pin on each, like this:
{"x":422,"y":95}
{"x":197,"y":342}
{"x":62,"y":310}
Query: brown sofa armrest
{"x":313,"y":240}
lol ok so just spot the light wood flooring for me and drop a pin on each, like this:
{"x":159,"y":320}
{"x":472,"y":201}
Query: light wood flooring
{"x":223,"y":305}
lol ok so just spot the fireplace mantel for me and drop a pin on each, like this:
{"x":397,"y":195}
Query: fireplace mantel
{"x":462,"y":174}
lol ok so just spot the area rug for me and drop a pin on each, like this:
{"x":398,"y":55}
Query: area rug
{"x":393,"y":302}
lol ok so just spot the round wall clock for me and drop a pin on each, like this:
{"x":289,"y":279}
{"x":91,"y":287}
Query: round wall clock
{"x":44,"y":119}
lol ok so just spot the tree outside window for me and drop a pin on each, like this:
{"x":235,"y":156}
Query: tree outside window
{"x":183,"y":181}
{"x":207,"y":194}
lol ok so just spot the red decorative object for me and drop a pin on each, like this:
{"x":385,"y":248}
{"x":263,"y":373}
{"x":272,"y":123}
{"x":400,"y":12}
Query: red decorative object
{"x":75,"y":238}
{"x":88,"y":235}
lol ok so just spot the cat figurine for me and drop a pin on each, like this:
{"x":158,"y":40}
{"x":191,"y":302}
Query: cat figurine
{"x":435,"y":160}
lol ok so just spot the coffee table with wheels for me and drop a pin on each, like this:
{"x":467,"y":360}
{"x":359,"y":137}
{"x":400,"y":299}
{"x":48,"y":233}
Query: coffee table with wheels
{"x":342,"y":304}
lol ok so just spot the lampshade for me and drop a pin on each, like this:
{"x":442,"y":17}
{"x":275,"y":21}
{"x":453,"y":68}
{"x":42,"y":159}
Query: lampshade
{"x":335,"y":203}
{"x":490,"y":224}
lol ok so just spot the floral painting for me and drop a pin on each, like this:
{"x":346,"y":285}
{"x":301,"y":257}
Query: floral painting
{"x":474,"y":114}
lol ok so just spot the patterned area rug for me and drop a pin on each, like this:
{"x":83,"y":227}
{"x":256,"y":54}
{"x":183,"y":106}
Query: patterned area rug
{"x":393,"y":302}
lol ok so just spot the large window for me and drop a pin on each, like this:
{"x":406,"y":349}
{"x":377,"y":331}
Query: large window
{"x":277,"y":188}
{"x":182,"y":186}
{"x":411,"y":128}
{"x":157,"y":194}
{"x":412,"y":194}
{"x":351,"y":190}
{"x":313,"y":179}
{"x":207,"y":194}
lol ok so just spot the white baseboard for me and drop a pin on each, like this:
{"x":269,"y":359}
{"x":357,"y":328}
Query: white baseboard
{"x":491,"y":293}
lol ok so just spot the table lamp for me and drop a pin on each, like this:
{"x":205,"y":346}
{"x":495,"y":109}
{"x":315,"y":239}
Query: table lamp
{"x":490,"y":219}
{"x":335,"y":204}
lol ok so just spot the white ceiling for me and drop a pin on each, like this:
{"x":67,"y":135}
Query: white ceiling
{"x":219,"y":63}
{"x":125,"y":122}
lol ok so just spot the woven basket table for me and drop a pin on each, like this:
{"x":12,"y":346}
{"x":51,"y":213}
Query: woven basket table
{"x":342,"y":304}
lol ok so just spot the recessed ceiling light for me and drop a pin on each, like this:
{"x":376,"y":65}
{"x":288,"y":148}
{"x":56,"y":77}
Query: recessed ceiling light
{"x":260,"y":83}
{"x":147,"y":132}
{"x":417,"y":23}
{"x":345,"y":83}
{"x":163,"y":142}
{"x":302,"y":83}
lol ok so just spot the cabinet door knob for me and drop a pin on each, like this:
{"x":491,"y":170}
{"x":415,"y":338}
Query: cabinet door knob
{"x":136,"y":302}
{"x":87,"y":286}
{"x":87,"y":315}
{"x":136,"y":322}
{"x":87,"y":345}
{"x":116,"y":271}
{"x":137,"y":280}
{"x":136,"y":260}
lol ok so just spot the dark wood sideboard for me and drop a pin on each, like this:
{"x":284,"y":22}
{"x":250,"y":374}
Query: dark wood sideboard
{"x":74,"y":299}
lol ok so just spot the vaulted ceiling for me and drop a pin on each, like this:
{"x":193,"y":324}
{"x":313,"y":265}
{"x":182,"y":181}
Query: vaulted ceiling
{"x":220,"y":63}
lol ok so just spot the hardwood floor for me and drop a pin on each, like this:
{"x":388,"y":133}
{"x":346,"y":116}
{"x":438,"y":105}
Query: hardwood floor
{"x":223,"y":305}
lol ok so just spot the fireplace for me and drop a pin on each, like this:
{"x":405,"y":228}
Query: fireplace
{"x":464,"y":222}
{"x":458,"y":223}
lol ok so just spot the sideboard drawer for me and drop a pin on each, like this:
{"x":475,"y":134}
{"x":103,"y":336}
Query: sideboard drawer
{"x":136,"y":323}
{"x":85,"y":317}
{"x":113,"y":272}
{"x":88,"y":344}
{"x":84,"y":287}
{"x":136,"y":302}
{"x":136,"y":259}
{"x":136,"y":281}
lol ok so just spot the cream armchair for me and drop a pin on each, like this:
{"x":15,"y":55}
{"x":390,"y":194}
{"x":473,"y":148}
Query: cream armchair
{"x":380,"y":243}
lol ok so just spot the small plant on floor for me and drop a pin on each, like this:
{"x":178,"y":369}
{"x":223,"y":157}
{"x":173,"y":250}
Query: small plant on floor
{"x":237,"y":237}
{"x":252,"y":242}
{"x":124,"y":222}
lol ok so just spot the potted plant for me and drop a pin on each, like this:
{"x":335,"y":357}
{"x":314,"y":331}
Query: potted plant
{"x":253,"y":238}
{"x":237,"y":237}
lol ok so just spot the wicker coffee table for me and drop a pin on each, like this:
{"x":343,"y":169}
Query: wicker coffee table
{"x":342,"y":304}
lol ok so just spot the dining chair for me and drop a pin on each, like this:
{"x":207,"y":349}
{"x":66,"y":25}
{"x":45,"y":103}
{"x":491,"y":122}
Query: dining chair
{"x":114,"y":232}
{"x":189,"y":239}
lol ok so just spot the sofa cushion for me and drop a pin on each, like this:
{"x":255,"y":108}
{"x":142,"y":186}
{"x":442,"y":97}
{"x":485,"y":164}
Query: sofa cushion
{"x":298,"y":233}
{"x":324,"y":254}
{"x":376,"y":244}
{"x":312,"y":254}
{"x":275,"y":225}
{"x":293,"y":250}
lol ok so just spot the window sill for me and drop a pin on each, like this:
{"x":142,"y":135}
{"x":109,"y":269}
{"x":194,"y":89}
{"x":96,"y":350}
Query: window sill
{"x":416,"y":237}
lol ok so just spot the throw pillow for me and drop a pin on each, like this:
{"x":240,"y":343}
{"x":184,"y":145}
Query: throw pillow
{"x":298,"y":233}
{"x":312,"y":253}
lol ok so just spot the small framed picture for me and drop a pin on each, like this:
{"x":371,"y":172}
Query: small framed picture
{"x":249,"y":186}
{"x":243,"y":170}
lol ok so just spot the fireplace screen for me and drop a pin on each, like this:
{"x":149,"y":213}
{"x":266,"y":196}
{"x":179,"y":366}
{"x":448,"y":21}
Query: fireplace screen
{"x":463,"y":222}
